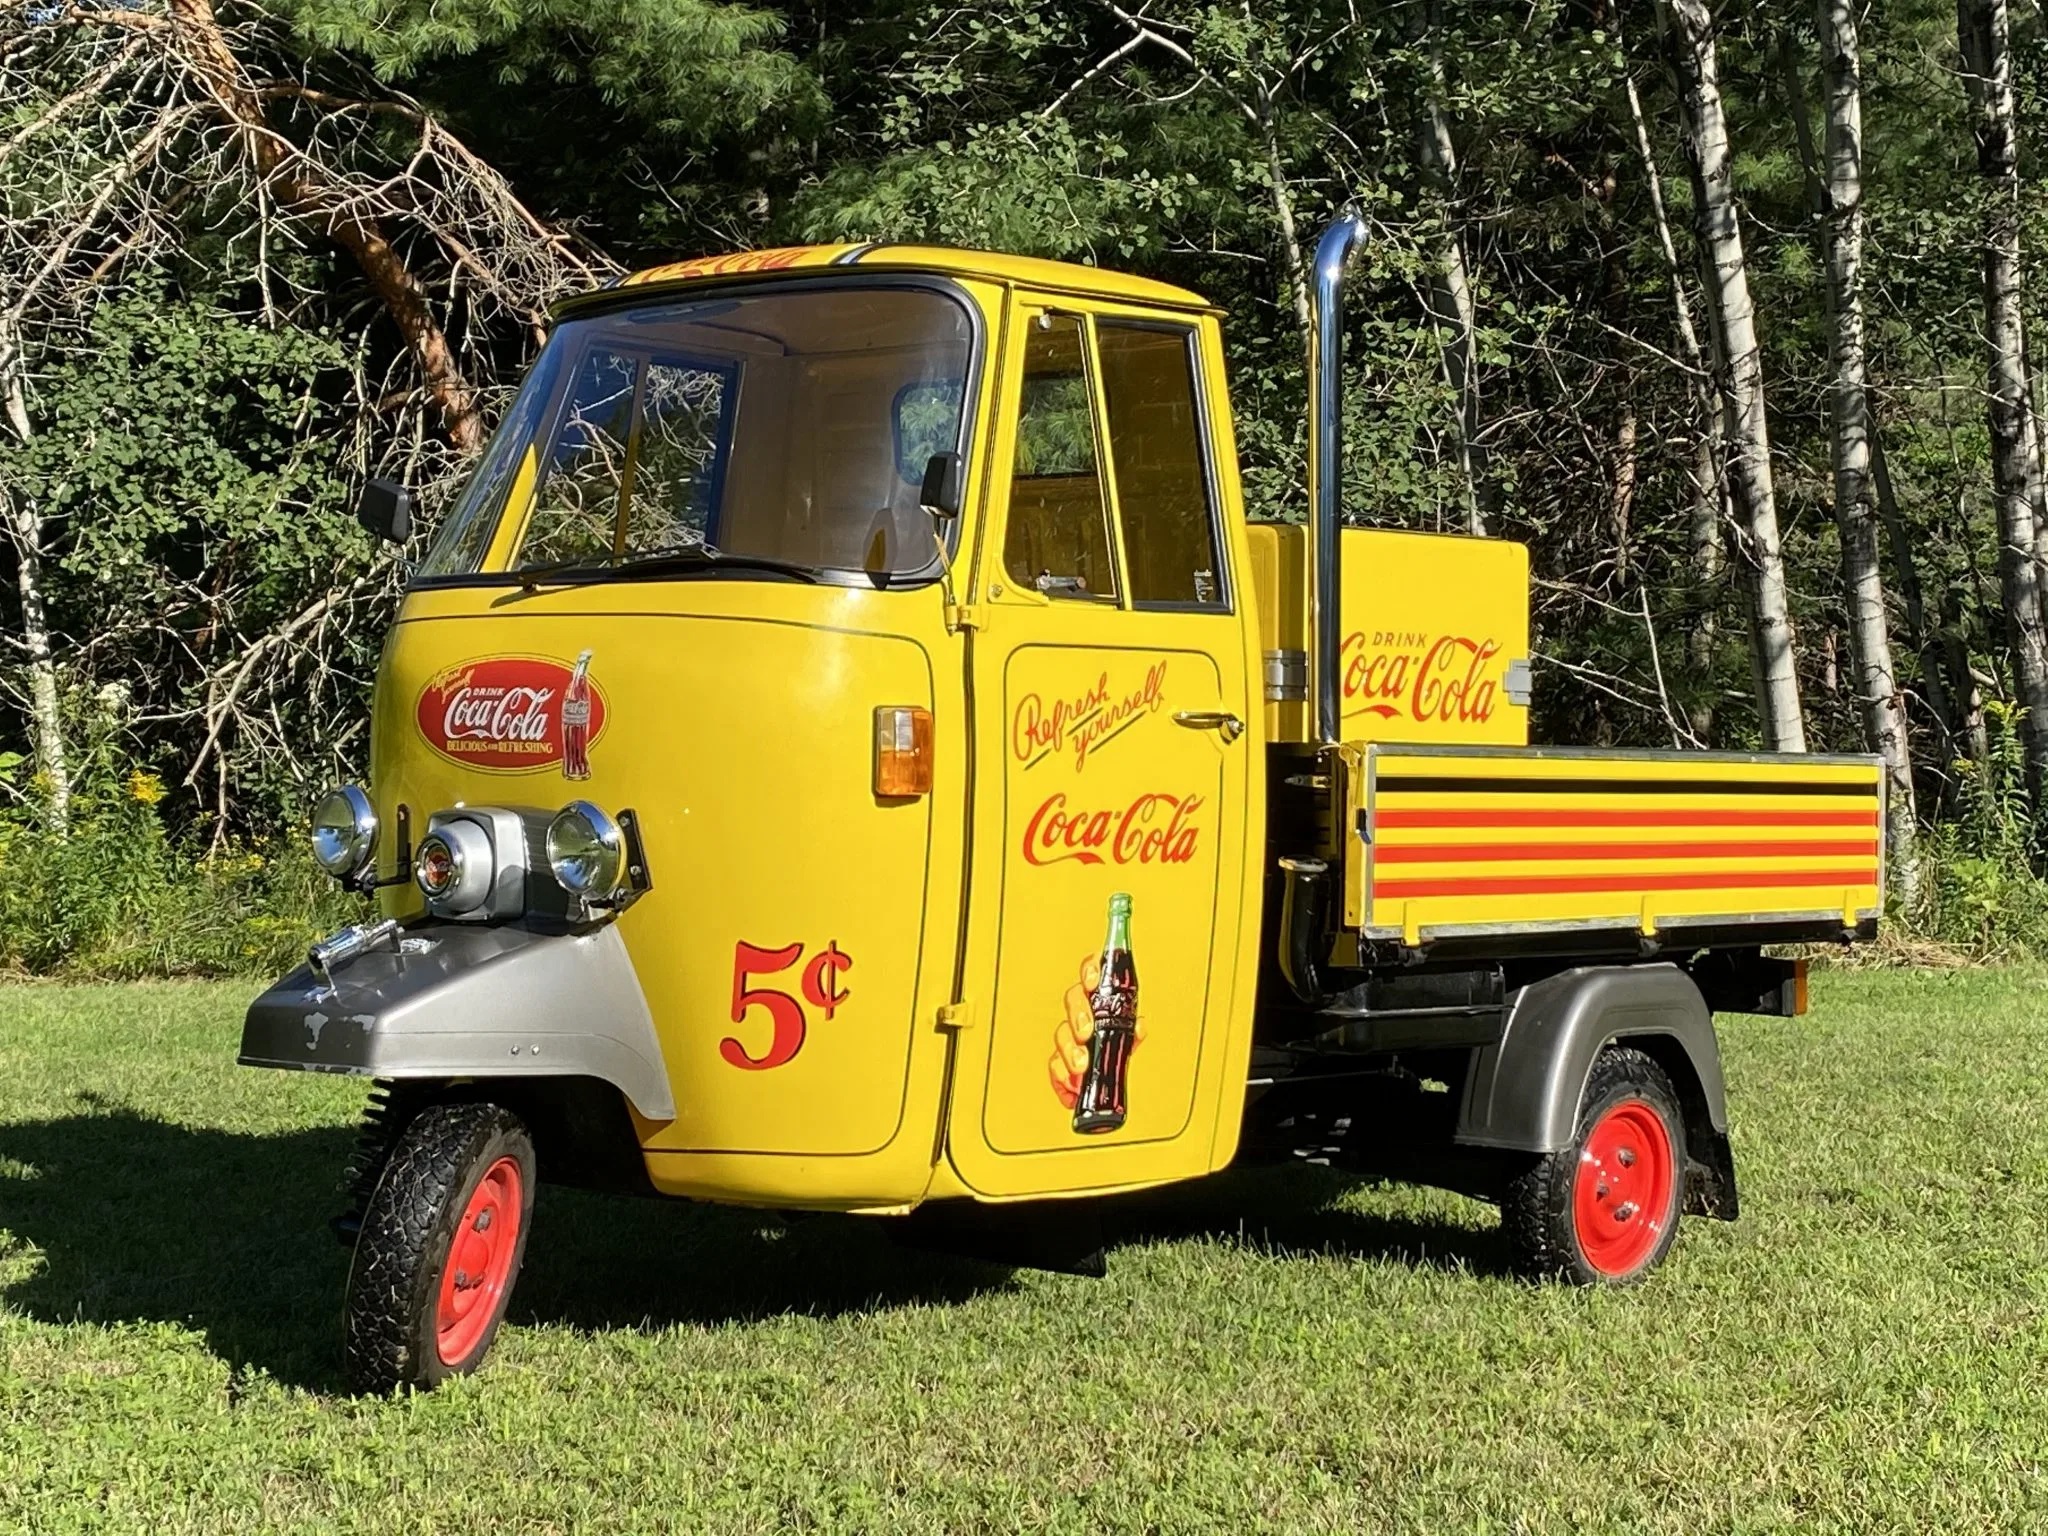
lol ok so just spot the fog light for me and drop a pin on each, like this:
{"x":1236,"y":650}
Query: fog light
{"x":344,"y":832}
{"x":586,"y":851}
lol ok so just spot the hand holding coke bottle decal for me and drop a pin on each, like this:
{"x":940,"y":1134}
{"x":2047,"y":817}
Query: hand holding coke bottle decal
{"x":1100,"y":1028}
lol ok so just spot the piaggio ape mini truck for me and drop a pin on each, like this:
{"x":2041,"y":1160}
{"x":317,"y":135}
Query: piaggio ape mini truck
{"x":847,"y":750}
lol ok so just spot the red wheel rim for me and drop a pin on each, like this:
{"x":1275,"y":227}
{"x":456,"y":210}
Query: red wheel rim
{"x":479,"y":1263}
{"x":1622,"y":1199}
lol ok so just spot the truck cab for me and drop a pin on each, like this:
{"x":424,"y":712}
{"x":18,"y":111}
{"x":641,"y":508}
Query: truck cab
{"x":846,"y":749}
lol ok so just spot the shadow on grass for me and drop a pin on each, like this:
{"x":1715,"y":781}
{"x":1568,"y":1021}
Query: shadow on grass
{"x":139,"y":1220}
{"x":1291,"y":1212}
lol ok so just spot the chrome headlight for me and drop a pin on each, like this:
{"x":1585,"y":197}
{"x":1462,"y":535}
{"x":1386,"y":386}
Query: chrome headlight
{"x":586,"y":851}
{"x":344,"y":832}
{"x":455,"y":867}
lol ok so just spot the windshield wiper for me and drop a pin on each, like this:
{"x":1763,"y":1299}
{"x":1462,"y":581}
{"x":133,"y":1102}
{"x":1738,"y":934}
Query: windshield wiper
{"x":656,"y":562}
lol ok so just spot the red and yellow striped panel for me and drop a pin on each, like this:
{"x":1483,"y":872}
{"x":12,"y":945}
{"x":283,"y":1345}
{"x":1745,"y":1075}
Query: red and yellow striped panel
{"x":1462,"y":840}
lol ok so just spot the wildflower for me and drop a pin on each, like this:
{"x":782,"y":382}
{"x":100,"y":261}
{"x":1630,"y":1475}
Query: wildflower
{"x":145,"y":788}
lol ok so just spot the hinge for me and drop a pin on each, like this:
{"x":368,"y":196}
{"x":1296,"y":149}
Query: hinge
{"x":964,"y":616}
{"x":956,"y":1016}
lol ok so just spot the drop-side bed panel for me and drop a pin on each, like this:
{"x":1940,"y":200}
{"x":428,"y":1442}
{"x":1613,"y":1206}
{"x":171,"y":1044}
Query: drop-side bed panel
{"x":1453,"y":841}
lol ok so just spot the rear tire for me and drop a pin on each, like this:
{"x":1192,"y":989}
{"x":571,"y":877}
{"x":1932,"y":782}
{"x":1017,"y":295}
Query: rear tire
{"x":1604,"y":1210}
{"x":440,"y":1247}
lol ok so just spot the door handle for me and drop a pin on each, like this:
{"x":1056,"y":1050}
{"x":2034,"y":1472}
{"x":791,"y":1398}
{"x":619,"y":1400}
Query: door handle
{"x":1211,"y":720}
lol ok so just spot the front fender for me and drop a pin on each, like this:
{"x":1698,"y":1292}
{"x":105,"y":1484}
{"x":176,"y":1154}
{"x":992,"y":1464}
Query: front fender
{"x":461,"y":1000}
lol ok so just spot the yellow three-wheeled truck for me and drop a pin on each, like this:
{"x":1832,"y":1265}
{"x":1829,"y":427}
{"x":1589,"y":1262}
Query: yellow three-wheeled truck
{"x":846,"y":749}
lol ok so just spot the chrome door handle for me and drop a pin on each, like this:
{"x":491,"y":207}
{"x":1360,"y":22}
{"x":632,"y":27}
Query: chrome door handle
{"x":1210,"y":720}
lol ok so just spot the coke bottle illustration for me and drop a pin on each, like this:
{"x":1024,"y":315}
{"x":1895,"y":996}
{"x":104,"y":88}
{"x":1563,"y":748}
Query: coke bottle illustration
{"x":1100,"y":1105}
{"x":576,"y":722}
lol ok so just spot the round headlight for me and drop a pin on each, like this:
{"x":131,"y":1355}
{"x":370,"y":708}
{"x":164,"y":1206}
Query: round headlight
{"x":453,"y":867}
{"x":585,"y":850}
{"x":344,"y":832}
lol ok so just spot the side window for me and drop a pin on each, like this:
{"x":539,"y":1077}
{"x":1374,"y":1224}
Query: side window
{"x":1162,"y":481}
{"x":1058,"y":540}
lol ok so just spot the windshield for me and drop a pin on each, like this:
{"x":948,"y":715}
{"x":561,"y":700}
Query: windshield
{"x":791,"y":426}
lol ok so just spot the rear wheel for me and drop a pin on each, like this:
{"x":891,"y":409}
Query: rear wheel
{"x":1604,"y":1210}
{"x":440,"y":1247}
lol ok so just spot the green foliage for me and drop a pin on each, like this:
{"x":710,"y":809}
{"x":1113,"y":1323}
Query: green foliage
{"x":119,"y":895}
{"x":1984,"y":894}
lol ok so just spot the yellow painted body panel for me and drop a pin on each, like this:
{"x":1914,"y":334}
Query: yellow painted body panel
{"x":738,"y":720}
{"x":1087,"y":787}
{"x":1431,"y":624}
{"x":1464,"y":840}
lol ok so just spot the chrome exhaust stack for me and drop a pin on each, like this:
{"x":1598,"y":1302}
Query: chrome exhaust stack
{"x":1326,"y":466}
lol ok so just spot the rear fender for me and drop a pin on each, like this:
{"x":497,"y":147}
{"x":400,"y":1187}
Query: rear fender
{"x":469,"y":1001}
{"x":1522,"y":1093}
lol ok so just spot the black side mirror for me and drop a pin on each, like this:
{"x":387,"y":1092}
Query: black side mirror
{"x":384,"y":508}
{"x":943,"y":488}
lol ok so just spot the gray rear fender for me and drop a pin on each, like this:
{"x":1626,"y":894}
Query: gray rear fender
{"x":468,"y":1001}
{"x":1523,"y":1093}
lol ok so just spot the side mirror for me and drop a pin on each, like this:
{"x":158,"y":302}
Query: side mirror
{"x":384,"y":508}
{"x":943,"y":488}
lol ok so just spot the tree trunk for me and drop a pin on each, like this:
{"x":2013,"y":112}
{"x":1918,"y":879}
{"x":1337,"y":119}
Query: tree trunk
{"x":299,"y":188}
{"x":1689,"y":34}
{"x":1984,"y":31}
{"x":1452,"y":308}
{"x":1870,"y":646}
{"x":25,"y":532}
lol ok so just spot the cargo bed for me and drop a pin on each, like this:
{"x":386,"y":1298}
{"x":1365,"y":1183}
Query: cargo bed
{"x":1467,"y":841}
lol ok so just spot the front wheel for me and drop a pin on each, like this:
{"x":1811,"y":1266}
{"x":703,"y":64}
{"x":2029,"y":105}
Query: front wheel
{"x":1604,"y":1210}
{"x":439,"y":1249}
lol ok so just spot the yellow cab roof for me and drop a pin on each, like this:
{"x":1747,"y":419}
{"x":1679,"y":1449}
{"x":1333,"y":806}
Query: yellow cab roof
{"x":888,"y":255}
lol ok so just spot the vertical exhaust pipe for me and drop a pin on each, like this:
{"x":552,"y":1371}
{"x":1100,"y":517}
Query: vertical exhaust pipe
{"x":1326,"y":466}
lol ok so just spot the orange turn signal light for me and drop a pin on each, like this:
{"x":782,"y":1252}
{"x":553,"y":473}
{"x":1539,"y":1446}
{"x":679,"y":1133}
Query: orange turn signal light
{"x":903,"y":751}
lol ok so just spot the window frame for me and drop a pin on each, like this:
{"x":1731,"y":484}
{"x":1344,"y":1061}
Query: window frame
{"x":1105,"y":474}
{"x":1225,"y":603}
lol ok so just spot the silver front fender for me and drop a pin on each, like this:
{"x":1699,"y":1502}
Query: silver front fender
{"x":460,"y":1000}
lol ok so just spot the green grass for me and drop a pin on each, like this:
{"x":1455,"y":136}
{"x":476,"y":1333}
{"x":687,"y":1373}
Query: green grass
{"x":1865,"y":1350}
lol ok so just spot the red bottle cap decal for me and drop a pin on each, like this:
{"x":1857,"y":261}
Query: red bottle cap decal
{"x":504,"y":714}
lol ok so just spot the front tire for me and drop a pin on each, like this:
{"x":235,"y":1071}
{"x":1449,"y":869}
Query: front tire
{"x":440,"y":1247}
{"x":1604,"y":1210}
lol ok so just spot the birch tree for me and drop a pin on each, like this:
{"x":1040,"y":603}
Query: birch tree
{"x":1870,"y":647}
{"x":1984,"y":31}
{"x":1688,"y":27}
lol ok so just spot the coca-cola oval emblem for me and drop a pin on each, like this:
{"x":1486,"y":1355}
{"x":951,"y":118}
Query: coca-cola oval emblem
{"x":514,"y":714}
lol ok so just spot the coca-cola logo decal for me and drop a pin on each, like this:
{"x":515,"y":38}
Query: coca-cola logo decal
{"x":1414,"y":675}
{"x":514,"y":714}
{"x":1150,"y":829}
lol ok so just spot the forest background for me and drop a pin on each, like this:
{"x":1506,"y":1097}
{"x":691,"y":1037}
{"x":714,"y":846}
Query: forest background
{"x":1723,"y":312}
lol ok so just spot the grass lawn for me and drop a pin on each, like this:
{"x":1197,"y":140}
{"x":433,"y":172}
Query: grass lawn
{"x":1865,"y":1350}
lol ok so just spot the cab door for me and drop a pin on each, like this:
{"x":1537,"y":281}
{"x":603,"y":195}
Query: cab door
{"x":1111,"y":677}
